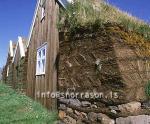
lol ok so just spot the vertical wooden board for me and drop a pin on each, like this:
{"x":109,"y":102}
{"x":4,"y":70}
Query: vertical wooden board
{"x":42,"y":88}
{"x":48,"y":66}
{"x":56,"y":46}
{"x":52,"y":50}
{"x":44,"y":84}
{"x":36,"y":90}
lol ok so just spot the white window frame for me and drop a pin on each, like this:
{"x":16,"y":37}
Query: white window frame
{"x":65,"y":2}
{"x":40,"y":66}
{"x":43,"y":2}
{"x":42,"y":13}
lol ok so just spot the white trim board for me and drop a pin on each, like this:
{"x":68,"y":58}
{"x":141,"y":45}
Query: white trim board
{"x":33,"y":22}
{"x":21,"y":47}
{"x":11,"y":49}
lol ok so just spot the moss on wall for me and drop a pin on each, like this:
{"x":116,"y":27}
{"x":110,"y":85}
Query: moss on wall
{"x":20,"y":71}
{"x":17,"y":75}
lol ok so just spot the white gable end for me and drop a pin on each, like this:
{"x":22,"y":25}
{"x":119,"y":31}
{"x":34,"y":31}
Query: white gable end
{"x":22,"y":50}
{"x":11,"y":49}
{"x":19,"y":46}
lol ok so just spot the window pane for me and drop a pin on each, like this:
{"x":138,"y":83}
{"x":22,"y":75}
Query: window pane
{"x":43,"y":65}
{"x":43,"y":51}
{"x":39,"y":54}
{"x":39,"y":65}
{"x":43,"y":2}
{"x":64,"y":3}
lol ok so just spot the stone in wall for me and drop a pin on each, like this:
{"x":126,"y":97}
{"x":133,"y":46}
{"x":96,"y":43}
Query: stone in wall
{"x":104,"y":119}
{"x":69,"y":120}
{"x":141,"y":119}
{"x":131,"y":107}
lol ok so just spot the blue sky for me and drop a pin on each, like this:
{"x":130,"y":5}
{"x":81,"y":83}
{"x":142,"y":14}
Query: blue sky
{"x":138,"y":8}
{"x":15,"y":20}
{"x":16,"y":17}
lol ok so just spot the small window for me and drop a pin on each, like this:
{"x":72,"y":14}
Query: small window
{"x":43,"y":2}
{"x":41,"y":60}
{"x":43,"y":13}
{"x":64,"y":3}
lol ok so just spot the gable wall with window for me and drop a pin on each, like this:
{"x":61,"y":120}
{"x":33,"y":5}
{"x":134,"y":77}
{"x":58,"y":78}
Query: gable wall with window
{"x":43,"y":49}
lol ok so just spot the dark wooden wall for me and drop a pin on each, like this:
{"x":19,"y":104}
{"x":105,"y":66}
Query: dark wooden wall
{"x":44,"y":31}
{"x":7,"y":79}
{"x":14,"y":67}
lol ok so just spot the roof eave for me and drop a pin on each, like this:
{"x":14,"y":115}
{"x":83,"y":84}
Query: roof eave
{"x":33,"y":22}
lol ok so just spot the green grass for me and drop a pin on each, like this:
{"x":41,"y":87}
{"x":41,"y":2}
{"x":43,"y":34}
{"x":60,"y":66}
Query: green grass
{"x":19,"y":109}
{"x":86,"y":13}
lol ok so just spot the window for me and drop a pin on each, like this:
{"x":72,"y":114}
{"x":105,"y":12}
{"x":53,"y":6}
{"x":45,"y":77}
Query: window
{"x":43,"y":13}
{"x":43,"y":2}
{"x":64,"y":3}
{"x":41,"y":60}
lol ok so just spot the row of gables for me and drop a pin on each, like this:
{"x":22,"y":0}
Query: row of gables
{"x":31,"y":64}
{"x":14,"y":72}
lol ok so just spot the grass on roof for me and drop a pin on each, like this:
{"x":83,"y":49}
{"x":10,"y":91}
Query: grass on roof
{"x":88,"y":12}
{"x":19,"y":109}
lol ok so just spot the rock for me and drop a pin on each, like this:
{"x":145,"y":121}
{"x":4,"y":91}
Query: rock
{"x":61,"y":115}
{"x":69,"y":64}
{"x":75,"y":102}
{"x":65,"y":101}
{"x":87,"y":121}
{"x":146,"y":104}
{"x":140,"y":119}
{"x":94,"y":106}
{"x":85,"y":104}
{"x":104,"y":119}
{"x":114,"y":108}
{"x":80,"y":122}
{"x":69,"y":120}
{"x":95,"y":103}
{"x":92,"y":116}
{"x":84,"y":115}
{"x":62,"y":107}
{"x":59,"y":122}
{"x":70,"y":110}
{"x":130,"y":107}
{"x":77,"y":113}
{"x":113,"y":111}
{"x":99,"y":117}
{"x":80,"y":115}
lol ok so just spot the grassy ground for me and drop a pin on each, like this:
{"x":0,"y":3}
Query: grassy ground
{"x":19,"y":109}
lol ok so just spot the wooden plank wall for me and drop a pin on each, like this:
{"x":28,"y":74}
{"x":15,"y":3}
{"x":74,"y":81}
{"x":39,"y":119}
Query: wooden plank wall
{"x":44,"y":31}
